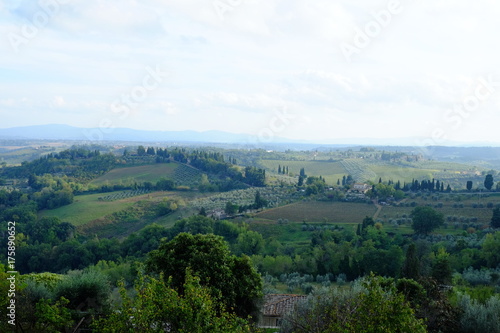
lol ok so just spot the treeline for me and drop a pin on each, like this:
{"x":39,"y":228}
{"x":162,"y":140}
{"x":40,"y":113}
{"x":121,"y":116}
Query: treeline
{"x":49,"y":245}
{"x":76,"y":162}
{"x":211,"y":162}
{"x":47,"y":192}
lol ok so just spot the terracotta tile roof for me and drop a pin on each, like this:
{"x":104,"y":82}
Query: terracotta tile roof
{"x":279,"y":304}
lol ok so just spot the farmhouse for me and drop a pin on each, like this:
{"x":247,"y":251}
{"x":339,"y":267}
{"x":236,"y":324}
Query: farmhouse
{"x":275,"y":307}
{"x":362,"y":188}
{"x":218,"y":214}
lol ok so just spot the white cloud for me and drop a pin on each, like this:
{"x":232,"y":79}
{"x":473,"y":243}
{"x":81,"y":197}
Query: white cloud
{"x":58,"y":101}
{"x":262,"y":56}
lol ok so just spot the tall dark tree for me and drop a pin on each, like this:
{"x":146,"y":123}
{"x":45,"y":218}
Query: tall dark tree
{"x":279,"y":169}
{"x":469,"y":185}
{"x":488,"y":182}
{"x":441,"y":268}
{"x":259,"y":202}
{"x":398,"y":185}
{"x":495,"y":219}
{"x":302,"y":172}
{"x":411,"y":268}
{"x":141,"y":151}
{"x":202,"y":211}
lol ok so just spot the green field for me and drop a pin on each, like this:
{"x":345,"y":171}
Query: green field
{"x":331,"y":171}
{"x":403,"y":174}
{"x":139,"y":174}
{"x":371,"y":170}
{"x":291,"y":234}
{"x":179,"y":173}
{"x":320,"y":211}
{"x":86,"y":208}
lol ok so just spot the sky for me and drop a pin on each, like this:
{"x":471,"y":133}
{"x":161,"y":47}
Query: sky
{"x":317,"y":70}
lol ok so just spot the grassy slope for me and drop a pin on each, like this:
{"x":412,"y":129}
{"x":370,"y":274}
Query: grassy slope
{"x":331,"y":171}
{"x":290,"y":234}
{"x":86,"y":208}
{"x":139,"y":174}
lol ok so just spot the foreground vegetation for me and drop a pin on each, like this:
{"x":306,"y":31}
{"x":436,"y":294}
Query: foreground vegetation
{"x":218,"y":228}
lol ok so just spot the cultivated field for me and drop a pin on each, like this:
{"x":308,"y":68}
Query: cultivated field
{"x":458,"y":209}
{"x":179,"y":173}
{"x":330,"y":170}
{"x":364,"y":170}
{"x":319,"y":211}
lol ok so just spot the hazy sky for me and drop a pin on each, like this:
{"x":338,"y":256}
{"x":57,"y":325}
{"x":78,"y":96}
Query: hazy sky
{"x":317,"y":69}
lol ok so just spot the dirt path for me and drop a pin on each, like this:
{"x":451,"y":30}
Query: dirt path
{"x":379,"y":209}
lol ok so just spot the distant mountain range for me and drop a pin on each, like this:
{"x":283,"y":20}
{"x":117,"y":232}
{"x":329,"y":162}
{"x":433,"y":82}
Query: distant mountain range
{"x":66,"y":132}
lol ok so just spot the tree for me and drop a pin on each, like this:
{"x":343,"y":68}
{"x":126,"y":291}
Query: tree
{"x":425,"y":219}
{"x":87,"y":290}
{"x":141,"y":151}
{"x":209,"y":258}
{"x":231,"y":208}
{"x":202,"y":211}
{"x":384,"y":191}
{"x":495,"y":219}
{"x":250,"y":243}
{"x":302,"y":172}
{"x":488,"y":181}
{"x":301,"y":181}
{"x":469,"y":185}
{"x":411,"y":268}
{"x":255,"y":176}
{"x":259,"y":202}
{"x":374,"y":306}
{"x":441,"y":268}
{"x":491,"y":249}
{"x":165,"y":184}
{"x":160,"y":308}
